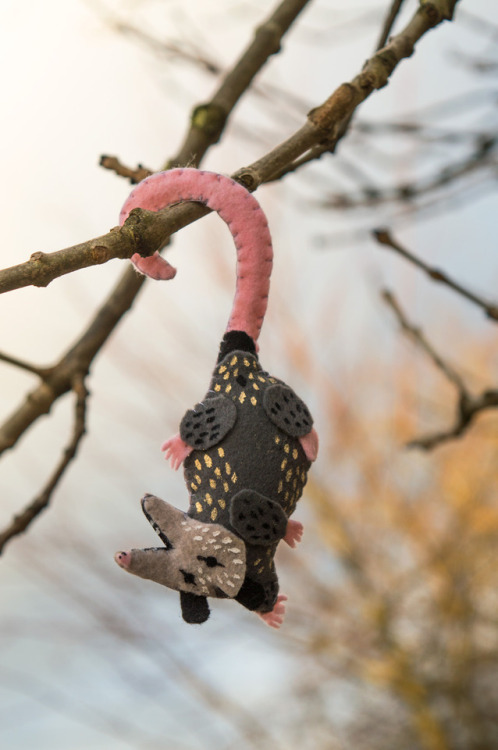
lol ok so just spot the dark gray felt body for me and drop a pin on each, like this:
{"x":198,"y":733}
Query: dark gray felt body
{"x":247,"y":461}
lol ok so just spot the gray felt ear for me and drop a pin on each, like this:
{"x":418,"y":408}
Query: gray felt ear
{"x":160,"y":515}
{"x":208,"y":423}
{"x":256,"y":518}
{"x":286,"y":410}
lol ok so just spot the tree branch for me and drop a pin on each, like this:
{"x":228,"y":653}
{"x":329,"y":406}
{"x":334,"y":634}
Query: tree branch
{"x":22,"y":520}
{"x":208,"y":120}
{"x":133,"y":175}
{"x":384,"y":237}
{"x":42,"y":372}
{"x":59,"y":379}
{"x":145,"y":232}
{"x":416,"y":334}
{"x":468,"y":406}
{"x":481,"y":159}
{"x":375,"y":75}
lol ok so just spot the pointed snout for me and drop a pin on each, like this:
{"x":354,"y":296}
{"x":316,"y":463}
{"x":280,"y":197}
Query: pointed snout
{"x":123,"y":559}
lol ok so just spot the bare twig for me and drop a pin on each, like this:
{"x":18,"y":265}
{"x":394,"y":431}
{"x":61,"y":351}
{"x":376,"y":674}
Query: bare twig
{"x":467,"y":409}
{"x":427,"y":133}
{"x":317,"y":151}
{"x":468,"y":406}
{"x":171,"y":50}
{"x":60,"y":378}
{"x":133,"y":175}
{"x":384,"y":237}
{"x":389,"y":22}
{"x":479,"y":161}
{"x":22,"y":520}
{"x":144,"y":232}
{"x":375,"y":75}
{"x":208,"y":120}
{"x":42,"y":372}
{"x":416,"y":334}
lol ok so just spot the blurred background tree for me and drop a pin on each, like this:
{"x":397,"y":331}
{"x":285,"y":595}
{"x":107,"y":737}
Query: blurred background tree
{"x":391,"y":637}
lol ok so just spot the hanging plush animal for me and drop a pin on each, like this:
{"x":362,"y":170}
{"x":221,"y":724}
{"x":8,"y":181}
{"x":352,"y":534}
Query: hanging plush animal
{"x":246,"y":447}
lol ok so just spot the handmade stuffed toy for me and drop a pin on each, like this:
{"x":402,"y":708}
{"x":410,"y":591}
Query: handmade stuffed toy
{"x":246,"y":447}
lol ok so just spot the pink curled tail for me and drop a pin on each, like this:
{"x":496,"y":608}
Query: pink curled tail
{"x":245,"y":219}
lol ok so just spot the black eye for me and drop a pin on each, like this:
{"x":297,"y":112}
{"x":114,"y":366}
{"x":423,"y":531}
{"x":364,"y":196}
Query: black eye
{"x":188,"y":577}
{"x":210,"y":561}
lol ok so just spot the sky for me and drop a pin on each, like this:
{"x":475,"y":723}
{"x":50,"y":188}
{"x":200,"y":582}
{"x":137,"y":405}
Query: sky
{"x":73,"y":89}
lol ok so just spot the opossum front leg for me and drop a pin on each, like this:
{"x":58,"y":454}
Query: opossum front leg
{"x":176,"y":450}
{"x":309,"y":444}
{"x":293,"y":533}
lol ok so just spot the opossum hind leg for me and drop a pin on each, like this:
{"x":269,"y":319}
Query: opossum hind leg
{"x":275,"y":618}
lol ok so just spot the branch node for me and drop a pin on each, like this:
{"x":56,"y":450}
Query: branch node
{"x":274,"y":31}
{"x":367,"y":81}
{"x":382,"y":236}
{"x":389,"y":59}
{"x":436,"y":275}
{"x":433,"y":12}
{"x":135,"y":228}
{"x":249,"y":178}
{"x":335,"y":109}
{"x":210,"y":119}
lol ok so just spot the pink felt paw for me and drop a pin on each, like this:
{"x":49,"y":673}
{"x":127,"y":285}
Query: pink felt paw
{"x":176,"y":451}
{"x":123,"y":559}
{"x":309,"y":444}
{"x":294,"y":533}
{"x":154,"y":267}
{"x":275,"y":618}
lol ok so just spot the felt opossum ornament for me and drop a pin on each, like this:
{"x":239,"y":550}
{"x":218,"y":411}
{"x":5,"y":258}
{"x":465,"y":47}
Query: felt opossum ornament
{"x":246,"y":447}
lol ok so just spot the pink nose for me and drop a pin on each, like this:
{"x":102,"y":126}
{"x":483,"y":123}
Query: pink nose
{"x":123,"y":559}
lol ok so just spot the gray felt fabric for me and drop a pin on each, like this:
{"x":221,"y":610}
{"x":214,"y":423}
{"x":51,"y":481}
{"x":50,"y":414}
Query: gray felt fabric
{"x":199,"y":558}
{"x":287,"y":411}
{"x":207,"y":423}
{"x":256,"y":518}
{"x":257,"y":454}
